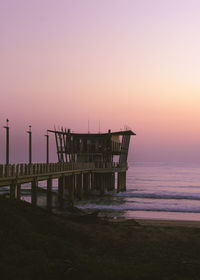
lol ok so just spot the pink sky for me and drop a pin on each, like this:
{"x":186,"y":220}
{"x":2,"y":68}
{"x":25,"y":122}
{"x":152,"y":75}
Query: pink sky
{"x":127,"y":62}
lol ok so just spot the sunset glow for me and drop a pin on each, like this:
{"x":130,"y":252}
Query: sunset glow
{"x":116,"y":62}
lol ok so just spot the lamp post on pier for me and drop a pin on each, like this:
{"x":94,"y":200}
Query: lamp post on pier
{"x":47,"y":147}
{"x":30,"y":144}
{"x":7,"y":141}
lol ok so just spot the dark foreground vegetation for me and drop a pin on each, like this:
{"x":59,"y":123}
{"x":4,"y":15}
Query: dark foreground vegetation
{"x":37,"y":245}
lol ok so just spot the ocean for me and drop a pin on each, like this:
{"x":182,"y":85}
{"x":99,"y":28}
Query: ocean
{"x":155,"y":190}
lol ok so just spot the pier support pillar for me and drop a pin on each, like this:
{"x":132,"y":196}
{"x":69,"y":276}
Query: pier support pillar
{"x":49,"y":194}
{"x":109,"y":181}
{"x":92,"y":181}
{"x":97,"y":181}
{"x":71,"y":188}
{"x":79,"y":182}
{"x":124,"y":182}
{"x":34,"y":189}
{"x":112,"y":181}
{"x":86,"y":184}
{"x":89,"y":182}
{"x":66,"y":187}
{"x":13,"y":190}
{"x":118,"y":181}
{"x":61,"y":190}
{"x":75,"y":186}
{"x":18,"y":191}
{"x":49,"y":184}
{"x":121,"y":181}
{"x":102,"y":183}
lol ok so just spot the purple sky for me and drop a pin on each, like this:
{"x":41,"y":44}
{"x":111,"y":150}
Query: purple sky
{"x":127,"y":62}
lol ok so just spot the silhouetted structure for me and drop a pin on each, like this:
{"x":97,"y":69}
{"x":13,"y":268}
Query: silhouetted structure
{"x":107,"y":151}
{"x":86,"y":162}
{"x":98,"y":148}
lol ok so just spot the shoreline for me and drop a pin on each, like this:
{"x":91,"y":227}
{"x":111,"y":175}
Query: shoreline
{"x":167,"y":223}
{"x":159,"y":222}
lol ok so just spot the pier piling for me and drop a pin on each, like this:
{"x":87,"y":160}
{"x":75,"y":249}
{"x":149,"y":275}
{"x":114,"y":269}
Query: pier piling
{"x":34,"y":191}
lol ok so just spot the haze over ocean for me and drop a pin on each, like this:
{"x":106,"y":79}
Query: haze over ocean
{"x":127,"y":62}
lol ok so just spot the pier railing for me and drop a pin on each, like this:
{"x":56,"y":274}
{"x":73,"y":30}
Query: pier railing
{"x":106,"y":165}
{"x":18,"y":170}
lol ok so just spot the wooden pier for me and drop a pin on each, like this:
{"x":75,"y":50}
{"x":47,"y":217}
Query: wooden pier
{"x":86,"y":162}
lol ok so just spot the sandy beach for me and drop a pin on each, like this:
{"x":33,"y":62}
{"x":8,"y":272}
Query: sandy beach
{"x":36,"y":244}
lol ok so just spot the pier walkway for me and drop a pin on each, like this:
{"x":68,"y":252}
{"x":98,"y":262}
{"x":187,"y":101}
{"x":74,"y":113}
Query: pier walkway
{"x":74,"y":179}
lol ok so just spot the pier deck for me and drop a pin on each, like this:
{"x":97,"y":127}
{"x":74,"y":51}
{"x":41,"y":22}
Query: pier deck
{"x":74,"y":179}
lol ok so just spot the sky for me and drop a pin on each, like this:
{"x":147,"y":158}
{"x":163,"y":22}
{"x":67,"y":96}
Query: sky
{"x":119,"y":63}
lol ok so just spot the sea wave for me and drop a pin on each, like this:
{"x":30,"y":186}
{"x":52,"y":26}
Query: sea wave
{"x":138,"y":208}
{"x":195,"y":196}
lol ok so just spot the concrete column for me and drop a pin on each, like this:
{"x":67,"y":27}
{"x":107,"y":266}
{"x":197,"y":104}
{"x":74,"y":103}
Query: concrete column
{"x":97,"y":181}
{"x":86,"y":184}
{"x":49,"y":184}
{"x":80,"y":186}
{"x":49,"y":194}
{"x":124,"y":181}
{"x":118,"y":181}
{"x":108,"y":183}
{"x":18,"y":191}
{"x":13,"y":190}
{"x":1,"y":170}
{"x":61,"y":190}
{"x":34,"y":190}
{"x":75,"y":185}
{"x":92,"y":181}
{"x":112,"y":181}
{"x":102,"y":183}
{"x":121,"y":182}
{"x":89,"y":182}
{"x":66,"y":187}
{"x":71,"y":189}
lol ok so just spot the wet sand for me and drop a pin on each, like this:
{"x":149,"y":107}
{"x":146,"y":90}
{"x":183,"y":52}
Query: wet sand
{"x":158,"y":222}
{"x":168,"y":223}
